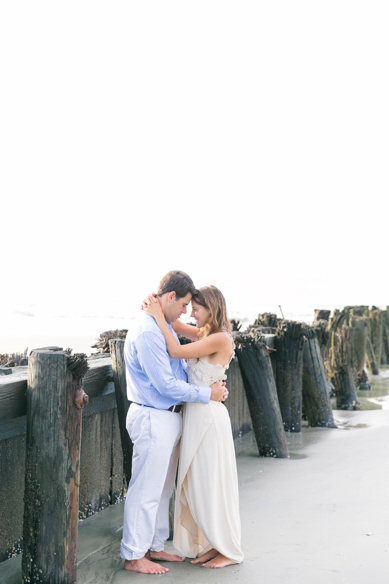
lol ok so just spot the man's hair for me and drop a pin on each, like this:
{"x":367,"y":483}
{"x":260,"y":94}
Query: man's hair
{"x":178,"y":282}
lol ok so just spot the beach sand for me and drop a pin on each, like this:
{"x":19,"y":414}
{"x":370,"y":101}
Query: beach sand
{"x":320,"y":517}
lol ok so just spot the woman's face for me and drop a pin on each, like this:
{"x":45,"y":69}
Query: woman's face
{"x":200,"y":314}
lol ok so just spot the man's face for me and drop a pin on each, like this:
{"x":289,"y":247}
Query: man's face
{"x":176,"y":306}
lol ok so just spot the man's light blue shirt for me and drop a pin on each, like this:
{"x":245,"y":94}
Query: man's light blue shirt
{"x":154,"y":378}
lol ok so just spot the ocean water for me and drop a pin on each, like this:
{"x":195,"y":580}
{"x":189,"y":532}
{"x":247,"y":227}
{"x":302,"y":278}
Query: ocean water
{"x":31,"y":330}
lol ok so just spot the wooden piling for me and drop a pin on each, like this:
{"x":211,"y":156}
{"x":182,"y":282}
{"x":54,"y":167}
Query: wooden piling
{"x":323,"y":335}
{"x":289,"y":372}
{"x":362,"y":381}
{"x":345,"y":389}
{"x":267,"y":319}
{"x":358,"y":339}
{"x":350,"y":342}
{"x":361,"y":310}
{"x":116,"y":347}
{"x":102,"y":343}
{"x":321,"y":328}
{"x":316,"y":400}
{"x":54,"y":401}
{"x":385,"y":338}
{"x":342,"y":370}
{"x":371,"y":356}
{"x":376,"y":323}
{"x":320,"y":314}
{"x":261,"y":395}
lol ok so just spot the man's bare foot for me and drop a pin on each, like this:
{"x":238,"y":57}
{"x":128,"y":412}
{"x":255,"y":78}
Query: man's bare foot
{"x":144,"y":566}
{"x":219,"y":561}
{"x":205,"y":557}
{"x":164,"y":556}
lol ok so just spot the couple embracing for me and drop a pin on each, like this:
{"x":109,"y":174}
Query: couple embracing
{"x":177,"y":413}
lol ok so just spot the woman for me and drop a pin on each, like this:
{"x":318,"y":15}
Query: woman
{"x":206,"y":519}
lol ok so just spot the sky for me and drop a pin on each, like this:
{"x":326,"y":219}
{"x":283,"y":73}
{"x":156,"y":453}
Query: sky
{"x":245,"y":143}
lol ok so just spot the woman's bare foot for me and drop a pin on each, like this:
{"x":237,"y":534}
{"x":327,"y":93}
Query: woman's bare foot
{"x":164,"y":556}
{"x":144,"y":566}
{"x":219,"y":561}
{"x":205,"y":557}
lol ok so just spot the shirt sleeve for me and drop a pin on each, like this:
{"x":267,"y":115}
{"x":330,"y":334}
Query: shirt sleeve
{"x":155,"y":362}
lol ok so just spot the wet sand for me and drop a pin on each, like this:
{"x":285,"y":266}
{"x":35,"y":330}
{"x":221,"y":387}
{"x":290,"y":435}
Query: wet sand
{"x":322,"y":516}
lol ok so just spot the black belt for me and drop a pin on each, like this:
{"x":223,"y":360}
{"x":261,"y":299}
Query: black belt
{"x":175,"y":409}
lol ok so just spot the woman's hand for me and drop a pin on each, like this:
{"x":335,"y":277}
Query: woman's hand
{"x":150,"y":298}
{"x":152,"y":306}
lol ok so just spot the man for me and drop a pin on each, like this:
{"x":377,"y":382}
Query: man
{"x":157,"y":386}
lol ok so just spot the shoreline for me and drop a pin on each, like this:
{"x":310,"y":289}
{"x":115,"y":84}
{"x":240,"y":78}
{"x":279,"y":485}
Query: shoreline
{"x":18,"y":344}
{"x":60,"y":330}
{"x":320,"y":516}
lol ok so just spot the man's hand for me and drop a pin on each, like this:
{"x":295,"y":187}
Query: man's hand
{"x":219,"y":392}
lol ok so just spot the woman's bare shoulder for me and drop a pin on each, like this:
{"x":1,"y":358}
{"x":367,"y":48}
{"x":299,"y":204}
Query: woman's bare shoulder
{"x":224,"y":338}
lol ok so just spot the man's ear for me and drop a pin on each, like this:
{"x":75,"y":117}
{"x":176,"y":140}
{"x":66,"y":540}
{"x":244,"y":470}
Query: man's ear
{"x":171,"y":296}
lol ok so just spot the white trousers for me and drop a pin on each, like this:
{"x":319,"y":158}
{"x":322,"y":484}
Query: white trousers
{"x":155,"y":435}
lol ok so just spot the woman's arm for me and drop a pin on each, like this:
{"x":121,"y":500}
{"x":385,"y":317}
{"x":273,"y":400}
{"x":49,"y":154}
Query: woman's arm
{"x":207,"y":346}
{"x":186,"y":330}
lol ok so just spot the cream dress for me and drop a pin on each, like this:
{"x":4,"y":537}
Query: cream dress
{"x":207,"y":500}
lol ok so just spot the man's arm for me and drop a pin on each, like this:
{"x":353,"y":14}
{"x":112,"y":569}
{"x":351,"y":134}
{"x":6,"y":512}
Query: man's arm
{"x":155,"y":362}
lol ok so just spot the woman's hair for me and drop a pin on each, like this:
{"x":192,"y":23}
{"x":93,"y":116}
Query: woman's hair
{"x":211,"y":298}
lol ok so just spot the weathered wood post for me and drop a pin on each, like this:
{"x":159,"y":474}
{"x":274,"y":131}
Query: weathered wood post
{"x":341,"y":369}
{"x":376,"y":334}
{"x":358,"y":318}
{"x":320,"y":314}
{"x":316,"y":400}
{"x":371,"y":356}
{"x":265,"y":324}
{"x":358,"y":342}
{"x":116,"y":347}
{"x":321,"y":328}
{"x":267,"y":319}
{"x":261,"y":393}
{"x":54,"y":402}
{"x":289,"y":342}
{"x":363,"y":381}
{"x":358,"y":349}
{"x":385,"y":337}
